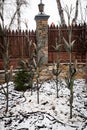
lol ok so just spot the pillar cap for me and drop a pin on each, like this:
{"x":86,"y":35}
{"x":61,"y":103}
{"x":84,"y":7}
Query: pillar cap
{"x":41,"y":17}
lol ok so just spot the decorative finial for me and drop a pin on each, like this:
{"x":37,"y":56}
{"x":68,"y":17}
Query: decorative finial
{"x":41,"y":1}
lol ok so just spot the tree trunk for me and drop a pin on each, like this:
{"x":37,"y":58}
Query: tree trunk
{"x":76,"y":12}
{"x":18,"y":14}
{"x":60,"y":10}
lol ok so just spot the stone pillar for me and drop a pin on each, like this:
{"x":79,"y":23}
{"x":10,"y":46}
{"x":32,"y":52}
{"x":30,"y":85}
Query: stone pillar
{"x":42,"y":34}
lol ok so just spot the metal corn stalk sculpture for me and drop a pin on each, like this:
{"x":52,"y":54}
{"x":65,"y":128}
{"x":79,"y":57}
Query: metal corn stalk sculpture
{"x":71,"y":72}
{"x":69,"y":48}
{"x":37,"y":68}
{"x":55,"y":69}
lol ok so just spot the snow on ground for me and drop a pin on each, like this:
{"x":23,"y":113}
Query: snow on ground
{"x":50,"y":114}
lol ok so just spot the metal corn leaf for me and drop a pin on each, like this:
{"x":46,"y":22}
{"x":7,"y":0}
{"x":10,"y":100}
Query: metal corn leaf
{"x":58,"y":48}
{"x":35,"y":65}
{"x":40,"y":61}
{"x":54,"y":47}
{"x":67,"y":46}
{"x":1,"y":16}
{"x":34,"y":45}
{"x":72,"y":44}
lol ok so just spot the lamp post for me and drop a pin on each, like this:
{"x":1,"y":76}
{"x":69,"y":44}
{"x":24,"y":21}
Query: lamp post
{"x":41,"y":7}
{"x":86,"y":12}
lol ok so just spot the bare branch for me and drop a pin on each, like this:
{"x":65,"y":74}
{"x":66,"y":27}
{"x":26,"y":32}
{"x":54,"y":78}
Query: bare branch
{"x":12,"y":19}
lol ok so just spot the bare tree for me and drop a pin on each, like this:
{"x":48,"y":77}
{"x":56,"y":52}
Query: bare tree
{"x":61,"y":13}
{"x":60,"y":10}
{"x":19,"y":4}
{"x":4,"y":44}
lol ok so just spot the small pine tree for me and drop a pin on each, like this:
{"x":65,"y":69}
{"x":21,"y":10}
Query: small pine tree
{"x":23,"y":78}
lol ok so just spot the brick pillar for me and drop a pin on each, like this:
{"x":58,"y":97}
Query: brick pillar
{"x":42,"y":35}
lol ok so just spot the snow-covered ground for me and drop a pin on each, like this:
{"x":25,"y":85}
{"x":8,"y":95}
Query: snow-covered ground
{"x":50,"y":114}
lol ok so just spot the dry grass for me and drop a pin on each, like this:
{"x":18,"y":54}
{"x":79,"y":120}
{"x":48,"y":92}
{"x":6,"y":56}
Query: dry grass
{"x":46,"y":73}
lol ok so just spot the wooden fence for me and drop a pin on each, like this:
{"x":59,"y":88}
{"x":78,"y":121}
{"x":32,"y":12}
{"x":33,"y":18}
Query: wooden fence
{"x":19,"y":43}
{"x":56,"y":34}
